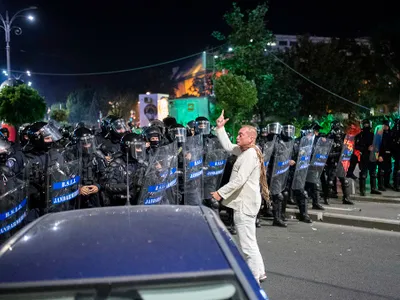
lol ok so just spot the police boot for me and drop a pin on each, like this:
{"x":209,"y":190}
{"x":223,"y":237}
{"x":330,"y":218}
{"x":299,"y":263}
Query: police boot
{"x":346,"y":191}
{"x":396,"y":181}
{"x":302,"y":203}
{"x":362,"y":185}
{"x":381,"y":186}
{"x":283,"y":206}
{"x":268,"y":213}
{"x":290,"y":200}
{"x":387,"y":181}
{"x":372,"y":181}
{"x":332,"y":191}
{"x":258,"y":221}
{"x":277,"y":203}
{"x":315,"y":196}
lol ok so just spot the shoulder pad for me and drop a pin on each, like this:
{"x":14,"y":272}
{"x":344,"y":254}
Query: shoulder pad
{"x":11,"y":162}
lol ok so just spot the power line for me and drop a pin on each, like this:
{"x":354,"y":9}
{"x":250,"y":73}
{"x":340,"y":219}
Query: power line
{"x":316,"y":84}
{"x":119,"y":71}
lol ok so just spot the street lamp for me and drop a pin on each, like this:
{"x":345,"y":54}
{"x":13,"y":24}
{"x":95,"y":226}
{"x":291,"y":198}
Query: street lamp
{"x":8,"y":27}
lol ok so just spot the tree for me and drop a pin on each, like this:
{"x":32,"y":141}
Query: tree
{"x":249,"y":40}
{"x":338,"y":66}
{"x":237,"y":96}
{"x":21,"y":104}
{"x":59,"y":115}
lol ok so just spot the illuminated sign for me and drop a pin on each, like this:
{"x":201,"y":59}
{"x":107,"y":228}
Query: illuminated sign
{"x":162,"y":108}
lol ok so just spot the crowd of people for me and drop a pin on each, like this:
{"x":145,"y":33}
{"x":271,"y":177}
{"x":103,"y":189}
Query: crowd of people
{"x":53,"y":168}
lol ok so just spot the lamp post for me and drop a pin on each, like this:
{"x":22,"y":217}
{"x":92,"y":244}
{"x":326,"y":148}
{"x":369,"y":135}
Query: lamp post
{"x":8,"y":27}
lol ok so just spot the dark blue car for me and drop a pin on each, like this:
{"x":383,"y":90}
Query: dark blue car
{"x":136,"y":252}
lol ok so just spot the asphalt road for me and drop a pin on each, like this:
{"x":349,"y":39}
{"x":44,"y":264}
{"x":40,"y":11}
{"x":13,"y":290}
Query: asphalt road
{"x":326,"y":261}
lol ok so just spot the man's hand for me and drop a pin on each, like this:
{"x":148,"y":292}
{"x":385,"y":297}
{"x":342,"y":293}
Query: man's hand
{"x":380,"y":159}
{"x":90,"y":189}
{"x":221,"y":121}
{"x":108,"y":158}
{"x":84,"y":191}
{"x":216,"y":196}
{"x":371,"y":148}
{"x":292,"y":162}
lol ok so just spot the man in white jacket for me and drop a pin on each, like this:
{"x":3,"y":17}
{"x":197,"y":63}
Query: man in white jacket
{"x":242,"y":192}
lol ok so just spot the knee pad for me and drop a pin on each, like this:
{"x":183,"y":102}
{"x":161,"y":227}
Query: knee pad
{"x":285,"y":194}
{"x":346,"y":183}
{"x":330,"y":183}
{"x":280,"y":197}
{"x":381,"y":172}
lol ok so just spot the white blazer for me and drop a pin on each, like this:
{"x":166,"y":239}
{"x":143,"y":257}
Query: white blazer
{"x":242,"y":192}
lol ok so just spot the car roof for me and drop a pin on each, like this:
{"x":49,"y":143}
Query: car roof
{"x":112,"y":242}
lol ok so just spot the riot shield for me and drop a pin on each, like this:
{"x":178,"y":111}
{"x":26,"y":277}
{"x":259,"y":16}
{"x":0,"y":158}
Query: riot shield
{"x":13,"y":207}
{"x":267,"y":151}
{"x":193,"y":171}
{"x":172,"y":180}
{"x":303,"y":162}
{"x":282,"y":155}
{"x":214,"y":165}
{"x":373,"y":156}
{"x":318,"y":160}
{"x":156,"y":177}
{"x":345,"y":156}
{"x":63,"y":186}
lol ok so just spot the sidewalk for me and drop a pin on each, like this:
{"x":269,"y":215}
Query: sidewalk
{"x":384,"y":216}
{"x":389,"y":196}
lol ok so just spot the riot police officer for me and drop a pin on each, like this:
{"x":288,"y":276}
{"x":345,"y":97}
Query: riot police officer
{"x":116,"y":129}
{"x":40,"y":156}
{"x":213,"y":154}
{"x":154,"y":138}
{"x":363,"y":143}
{"x":278,"y":168}
{"x":385,"y":158}
{"x":288,"y":134}
{"x":334,"y":166}
{"x":92,"y":168}
{"x":126,"y":172}
{"x":163,"y":129}
{"x":12,"y":196}
{"x":179,"y":134}
{"x":396,"y":154}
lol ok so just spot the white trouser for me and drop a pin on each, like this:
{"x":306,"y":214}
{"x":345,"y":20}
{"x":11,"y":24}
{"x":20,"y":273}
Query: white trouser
{"x":246,"y":230}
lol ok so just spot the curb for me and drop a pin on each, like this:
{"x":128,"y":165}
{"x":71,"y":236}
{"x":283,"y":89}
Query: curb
{"x":387,"y":199}
{"x":357,"y":221}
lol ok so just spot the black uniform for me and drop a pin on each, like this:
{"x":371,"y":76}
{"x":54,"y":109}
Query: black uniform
{"x":363,"y":141}
{"x":126,"y":173}
{"x":334,"y":163}
{"x":385,"y":166}
{"x":396,"y":154}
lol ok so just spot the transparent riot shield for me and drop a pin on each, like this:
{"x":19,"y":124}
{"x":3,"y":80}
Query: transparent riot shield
{"x":267,"y":150}
{"x":373,"y":156}
{"x":280,"y":171}
{"x":63,"y":186}
{"x":156,"y":177}
{"x":193,"y":172}
{"x":172,"y":179}
{"x":303,"y":161}
{"x":318,"y":160}
{"x":345,"y":156}
{"x":214,"y":165}
{"x":13,"y":207}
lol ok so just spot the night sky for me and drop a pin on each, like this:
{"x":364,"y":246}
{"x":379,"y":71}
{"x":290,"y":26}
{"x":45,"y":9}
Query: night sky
{"x":80,"y":36}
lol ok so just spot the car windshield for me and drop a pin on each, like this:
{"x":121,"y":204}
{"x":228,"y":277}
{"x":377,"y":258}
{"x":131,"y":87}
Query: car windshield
{"x":192,"y":291}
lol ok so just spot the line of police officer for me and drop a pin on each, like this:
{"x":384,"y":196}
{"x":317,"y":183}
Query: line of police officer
{"x":86,"y":169}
